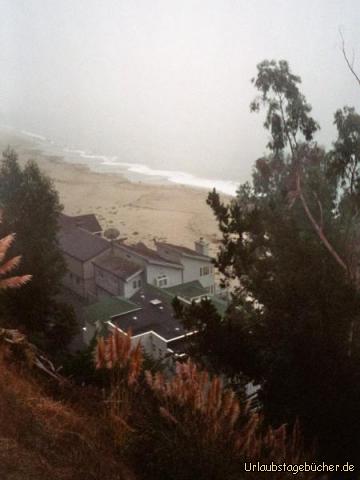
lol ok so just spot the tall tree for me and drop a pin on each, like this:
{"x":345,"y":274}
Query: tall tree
{"x":297,"y":302}
{"x":31,"y":208}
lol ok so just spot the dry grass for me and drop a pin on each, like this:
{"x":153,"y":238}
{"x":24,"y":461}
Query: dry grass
{"x":44,"y":437}
{"x":194,"y":401}
{"x":194,"y":426}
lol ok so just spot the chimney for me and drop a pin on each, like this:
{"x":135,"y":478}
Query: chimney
{"x":202,"y":247}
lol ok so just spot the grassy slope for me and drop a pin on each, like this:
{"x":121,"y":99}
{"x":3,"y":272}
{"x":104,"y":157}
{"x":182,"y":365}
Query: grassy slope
{"x":44,"y":437}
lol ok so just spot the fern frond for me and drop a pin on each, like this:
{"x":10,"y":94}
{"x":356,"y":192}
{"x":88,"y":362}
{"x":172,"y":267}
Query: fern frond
{"x":14,"y":282}
{"x":10,"y":265}
{"x":5,"y":244}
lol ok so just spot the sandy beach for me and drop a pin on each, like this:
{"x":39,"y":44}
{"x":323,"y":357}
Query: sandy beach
{"x":139,"y":210}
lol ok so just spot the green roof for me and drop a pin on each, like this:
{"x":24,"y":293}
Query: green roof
{"x":107,"y":308}
{"x":194,"y":289}
{"x":165,"y":295}
{"x":188,"y":290}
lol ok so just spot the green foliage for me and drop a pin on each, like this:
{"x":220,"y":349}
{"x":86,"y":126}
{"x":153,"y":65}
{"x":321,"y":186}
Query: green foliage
{"x":287,"y":114}
{"x":186,"y":425}
{"x":296,"y":307}
{"x":80,"y":367}
{"x":344,"y":168}
{"x":31,"y":208}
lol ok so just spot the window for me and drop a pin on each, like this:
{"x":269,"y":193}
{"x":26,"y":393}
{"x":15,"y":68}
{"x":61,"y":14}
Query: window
{"x":204,"y":271}
{"x":161,"y":281}
{"x":136,"y":283}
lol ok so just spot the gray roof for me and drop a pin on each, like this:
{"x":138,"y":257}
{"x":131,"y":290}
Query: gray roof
{"x":158,"y":318}
{"x":118,"y":266}
{"x":88,"y":222}
{"x":80,"y":244}
{"x":65,"y":221}
{"x":184,"y":250}
{"x":148,"y":253}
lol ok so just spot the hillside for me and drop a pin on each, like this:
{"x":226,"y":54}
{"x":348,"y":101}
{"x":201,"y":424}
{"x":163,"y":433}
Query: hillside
{"x":46,"y":433}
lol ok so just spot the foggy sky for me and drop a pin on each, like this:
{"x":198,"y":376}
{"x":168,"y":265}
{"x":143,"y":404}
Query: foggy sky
{"x":167,"y":82}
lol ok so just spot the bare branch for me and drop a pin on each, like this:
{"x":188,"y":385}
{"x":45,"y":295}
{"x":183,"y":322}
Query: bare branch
{"x":349,"y":64}
{"x":317,"y":228}
{"x":321,"y":212}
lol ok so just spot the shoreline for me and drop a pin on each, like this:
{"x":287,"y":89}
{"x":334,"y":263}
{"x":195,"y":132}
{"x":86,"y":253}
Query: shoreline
{"x":140,"y":210}
{"x":133,"y":172}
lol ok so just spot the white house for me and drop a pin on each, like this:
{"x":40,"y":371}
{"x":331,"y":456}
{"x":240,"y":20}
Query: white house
{"x":98,"y":267}
{"x":158,"y":270}
{"x":150,"y":317}
{"x":197,"y":264}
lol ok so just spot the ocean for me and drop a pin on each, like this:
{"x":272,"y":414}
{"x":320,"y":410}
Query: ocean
{"x":132,"y":171}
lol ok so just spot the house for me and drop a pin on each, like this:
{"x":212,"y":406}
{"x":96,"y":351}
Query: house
{"x":148,"y":315}
{"x":188,"y":292}
{"x":87,"y":222}
{"x":80,"y":248}
{"x":98,"y":315}
{"x":197,"y":264}
{"x":114,"y":275}
{"x":158,"y":271}
{"x":98,"y":267}
{"x":170,"y":265}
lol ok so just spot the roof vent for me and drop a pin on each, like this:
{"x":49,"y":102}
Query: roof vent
{"x":134,"y":318}
{"x":156,"y":302}
{"x":161,"y":307}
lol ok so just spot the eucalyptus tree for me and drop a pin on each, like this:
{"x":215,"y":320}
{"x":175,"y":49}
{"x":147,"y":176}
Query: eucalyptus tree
{"x":288,"y":238}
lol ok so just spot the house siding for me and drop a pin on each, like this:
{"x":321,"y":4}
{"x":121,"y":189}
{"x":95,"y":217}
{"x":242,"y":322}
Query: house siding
{"x":192,"y":266}
{"x":74,"y":278}
{"x":130,"y":289}
{"x":107,"y":281}
{"x":153,"y":345}
{"x":174,"y":275}
{"x":80,"y":276}
{"x":152,"y":271}
{"x":192,"y":271}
